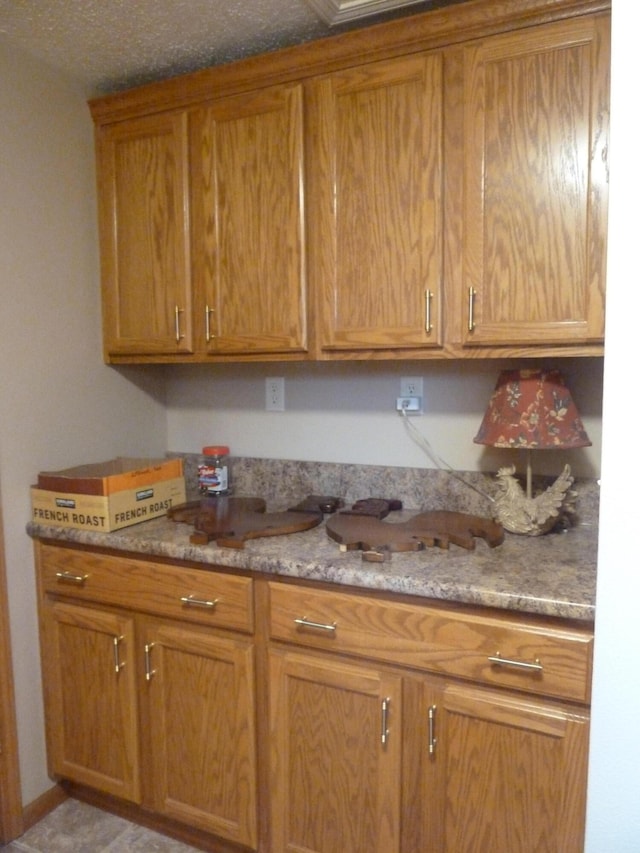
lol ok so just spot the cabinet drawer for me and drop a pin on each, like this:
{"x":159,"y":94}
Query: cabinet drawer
{"x":195,"y":595}
{"x":507,"y":651}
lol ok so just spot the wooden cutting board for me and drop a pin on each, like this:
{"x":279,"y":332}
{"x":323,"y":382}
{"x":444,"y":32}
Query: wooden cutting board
{"x":230,"y":521}
{"x":377,"y":539}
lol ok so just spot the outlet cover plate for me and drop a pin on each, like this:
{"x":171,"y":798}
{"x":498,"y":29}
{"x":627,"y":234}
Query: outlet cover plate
{"x":411,"y":386}
{"x":274,"y":394}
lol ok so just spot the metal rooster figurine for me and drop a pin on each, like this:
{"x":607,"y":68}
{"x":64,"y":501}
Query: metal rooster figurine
{"x":520,"y":512}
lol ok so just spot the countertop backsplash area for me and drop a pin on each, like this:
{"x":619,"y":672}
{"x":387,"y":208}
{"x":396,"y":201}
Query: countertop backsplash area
{"x":283,"y":483}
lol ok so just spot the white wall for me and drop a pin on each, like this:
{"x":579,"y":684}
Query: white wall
{"x":345,"y":412}
{"x":613,"y":822}
{"x":59,"y":405}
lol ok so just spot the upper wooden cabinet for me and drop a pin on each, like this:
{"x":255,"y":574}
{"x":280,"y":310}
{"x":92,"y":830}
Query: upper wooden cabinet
{"x":144,"y":232}
{"x":248,"y":223}
{"x":432,"y":187}
{"x":534,"y":194}
{"x":201,"y":217}
{"x":375,"y":190}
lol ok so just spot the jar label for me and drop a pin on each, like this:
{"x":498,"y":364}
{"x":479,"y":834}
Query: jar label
{"x":213,"y":480}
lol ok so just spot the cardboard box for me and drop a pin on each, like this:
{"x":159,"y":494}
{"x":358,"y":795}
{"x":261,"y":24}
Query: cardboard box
{"x":115,"y":475}
{"x":105,"y":513}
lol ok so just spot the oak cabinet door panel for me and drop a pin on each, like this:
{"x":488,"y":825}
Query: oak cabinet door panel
{"x":335,"y":783}
{"x":90,"y":694}
{"x":375,"y":176}
{"x":535,"y":185}
{"x":201,"y":719}
{"x":144,"y":232}
{"x":248,"y":234}
{"x":515,"y":773}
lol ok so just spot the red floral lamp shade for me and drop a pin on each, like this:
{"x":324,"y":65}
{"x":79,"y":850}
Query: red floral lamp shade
{"x":532,"y":409}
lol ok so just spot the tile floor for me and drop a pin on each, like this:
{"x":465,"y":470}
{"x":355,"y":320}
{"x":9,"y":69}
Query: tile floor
{"x":75,"y":827}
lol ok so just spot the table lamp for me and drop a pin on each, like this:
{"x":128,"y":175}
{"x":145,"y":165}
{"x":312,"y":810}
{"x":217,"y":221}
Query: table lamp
{"x":532,"y":410}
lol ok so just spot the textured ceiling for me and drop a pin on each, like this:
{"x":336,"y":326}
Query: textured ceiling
{"x":107,"y":45}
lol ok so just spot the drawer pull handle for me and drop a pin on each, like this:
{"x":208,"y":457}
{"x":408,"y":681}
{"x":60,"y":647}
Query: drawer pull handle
{"x":384,"y":734}
{"x":321,"y":626}
{"x":69,"y":577}
{"x":178,"y":312}
{"x":471,"y":324}
{"x":191,"y":601}
{"x":148,"y":671}
{"x":207,"y":324}
{"x":433,"y":740}
{"x":428,"y":326}
{"x":498,"y":660}
{"x":117,"y":663}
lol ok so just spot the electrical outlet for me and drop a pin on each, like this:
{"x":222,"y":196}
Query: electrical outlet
{"x":411,"y":386}
{"x":274,"y":391}
{"x":410,"y":400}
{"x":409,"y":405}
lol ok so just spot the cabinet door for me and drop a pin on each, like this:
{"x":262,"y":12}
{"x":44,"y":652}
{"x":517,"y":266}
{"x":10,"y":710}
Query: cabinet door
{"x":515,"y":773}
{"x":200,"y":733}
{"x":144,"y":216}
{"x":335,"y":752}
{"x":423,"y":779}
{"x":90,"y":696}
{"x":535,"y":185}
{"x":248,"y":227}
{"x":376,"y":230}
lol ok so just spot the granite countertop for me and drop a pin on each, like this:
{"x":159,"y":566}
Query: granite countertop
{"x":552,"y":575}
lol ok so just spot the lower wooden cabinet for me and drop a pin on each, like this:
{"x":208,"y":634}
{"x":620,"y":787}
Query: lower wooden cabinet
{"x":91,"y":697}
{"x":485,"y":770}
{"x":514,"y":773}
{"x":336,"y":732}
{"x":152,"y":710}
{"x":374,"y":761}
{"x":200,"y":725}
{"x":291,"y":718}
{"x":496,"y":760}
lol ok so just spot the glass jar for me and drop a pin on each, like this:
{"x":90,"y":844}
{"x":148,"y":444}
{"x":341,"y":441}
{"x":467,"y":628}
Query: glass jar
{"x":214,"y":477}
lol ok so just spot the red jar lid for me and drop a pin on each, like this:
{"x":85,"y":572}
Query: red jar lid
{"x":215,"y":450}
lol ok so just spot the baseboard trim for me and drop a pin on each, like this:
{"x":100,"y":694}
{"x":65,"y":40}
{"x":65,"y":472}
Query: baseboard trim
{"x":181,"y":832}
{"x":45,"y":803}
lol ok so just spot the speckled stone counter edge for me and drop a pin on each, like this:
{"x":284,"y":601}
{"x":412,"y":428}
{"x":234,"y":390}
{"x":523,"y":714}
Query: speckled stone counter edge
{"x":551,"y":575}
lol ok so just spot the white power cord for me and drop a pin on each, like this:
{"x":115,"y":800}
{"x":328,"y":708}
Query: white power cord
{"x":440,"y":463}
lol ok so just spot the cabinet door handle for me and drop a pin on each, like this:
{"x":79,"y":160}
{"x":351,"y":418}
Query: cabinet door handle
{"x":192,"y":601}
{"x":433,"y":740}
{"x":428,"y":326}
{"x":118,"y":664}
{"x":207,"y":323}
{"x":148,"y":672}
{"x":178,"y":312}
{"x":384,"y":733}
{"x":531,"y":666}
{"x":307,"y":623}
{"x":69,"y":577}
{"x":471,"y":323}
